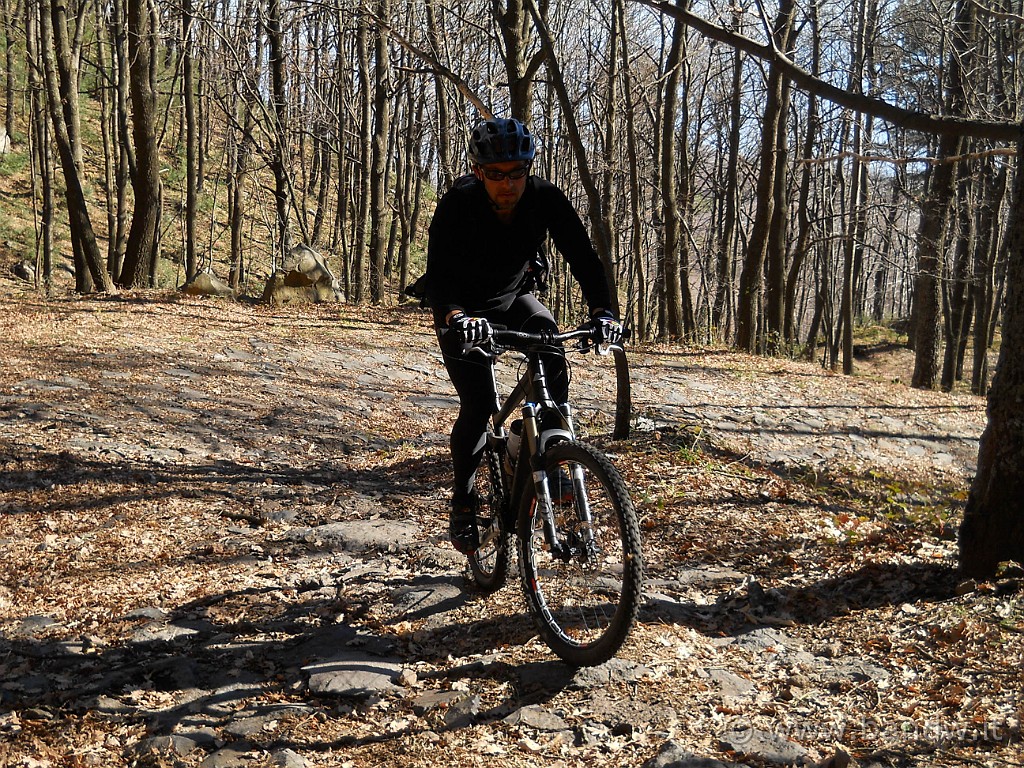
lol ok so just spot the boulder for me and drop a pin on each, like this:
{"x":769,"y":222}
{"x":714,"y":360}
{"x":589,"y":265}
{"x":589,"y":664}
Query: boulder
{"x":25,"y":270}
{"x":206,"y":284}
{"x":304,"y":278}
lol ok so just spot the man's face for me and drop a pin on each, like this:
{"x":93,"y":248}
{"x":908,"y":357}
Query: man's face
{"x":504,"y":190}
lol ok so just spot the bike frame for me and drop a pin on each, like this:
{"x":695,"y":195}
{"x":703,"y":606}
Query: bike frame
{"x":533,"y":397}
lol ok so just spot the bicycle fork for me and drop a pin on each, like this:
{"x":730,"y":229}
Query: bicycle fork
{"x":537,"y":442}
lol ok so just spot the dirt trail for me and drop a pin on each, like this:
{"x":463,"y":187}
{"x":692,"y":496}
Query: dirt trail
{"x":225,"y":533}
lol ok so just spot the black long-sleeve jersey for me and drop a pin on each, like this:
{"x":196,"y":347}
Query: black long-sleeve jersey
{"x":478,"y":264}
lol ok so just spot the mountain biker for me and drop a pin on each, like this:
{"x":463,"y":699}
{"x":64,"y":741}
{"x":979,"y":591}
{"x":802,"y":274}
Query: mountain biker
{"x":482,"y":263}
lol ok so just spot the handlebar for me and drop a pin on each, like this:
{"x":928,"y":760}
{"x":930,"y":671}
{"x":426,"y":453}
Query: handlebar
{"x":520,"y":338}
{"x":502,"y":338}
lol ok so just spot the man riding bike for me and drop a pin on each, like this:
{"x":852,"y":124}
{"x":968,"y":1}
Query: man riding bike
{"x":482,"y":267}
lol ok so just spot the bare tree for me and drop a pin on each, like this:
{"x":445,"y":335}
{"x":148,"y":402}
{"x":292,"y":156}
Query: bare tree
{"x":60,"y":77}
{"x":674,"y":326}
{"x":408,"y":201}
{"x":188,"y":88}
{"x":752,"y":275}
{"x":279,"y":162}
{"x":801,"y":246}
{"x":123,"y":154}
{"x":722,"y":311}
{"x":42,"y":164}
{"x":600,"y":231}
{"x":445,"y":148}
{"x":775,"y":249}
{"x":636,"y":267}
{"x":139,"y":268}
{"x":379,"y":156}
{"x":521,"y":65}
{"x":241,"y":106}
{"x":995,"y":183}
{"x":8,"y":13}
{"x":360,"y":260}
{"x":993,"y":527}
{"x":935,"y":215}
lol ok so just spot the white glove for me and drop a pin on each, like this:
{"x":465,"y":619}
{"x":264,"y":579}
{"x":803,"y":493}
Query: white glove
{"x":607,"y":328}
{"x":471,"y":330}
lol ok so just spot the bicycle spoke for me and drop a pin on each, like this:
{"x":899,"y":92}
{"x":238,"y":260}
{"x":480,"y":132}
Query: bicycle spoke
{"x":584,"y":594}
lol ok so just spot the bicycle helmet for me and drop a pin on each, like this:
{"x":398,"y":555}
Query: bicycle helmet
{"x":501,"y":140}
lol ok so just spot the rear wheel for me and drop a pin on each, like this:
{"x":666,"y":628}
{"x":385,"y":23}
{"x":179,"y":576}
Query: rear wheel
{"x":585,"y":597}
{"x":491,"y":563}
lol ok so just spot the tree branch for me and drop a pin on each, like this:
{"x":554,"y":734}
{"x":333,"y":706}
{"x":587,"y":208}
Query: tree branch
{"x":464,"y":88}
{"x":1001,"y":131}
{"x":997,"y":152}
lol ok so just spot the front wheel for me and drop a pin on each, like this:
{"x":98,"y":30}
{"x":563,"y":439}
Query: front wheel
{"x":491,"y":563}
{"x":583,"y":594}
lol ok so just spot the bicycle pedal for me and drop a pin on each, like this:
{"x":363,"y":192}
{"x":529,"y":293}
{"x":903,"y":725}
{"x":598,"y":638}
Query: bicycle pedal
{"x":462,"y":531}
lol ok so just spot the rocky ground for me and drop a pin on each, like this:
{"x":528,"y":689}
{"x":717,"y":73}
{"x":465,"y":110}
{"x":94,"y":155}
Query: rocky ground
{"x":223,"y":535}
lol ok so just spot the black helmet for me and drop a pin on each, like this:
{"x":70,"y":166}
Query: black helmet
{"x":501,"y":140}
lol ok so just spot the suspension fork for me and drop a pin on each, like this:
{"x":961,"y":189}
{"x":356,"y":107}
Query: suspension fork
{"x":537,"y":437}
{"x":583,"y":542}
{"x":532,"y":455}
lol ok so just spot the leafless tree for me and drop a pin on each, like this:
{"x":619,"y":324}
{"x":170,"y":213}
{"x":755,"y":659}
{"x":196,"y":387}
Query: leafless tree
{"x":139,"y":268}
{"x":379,"y":165}
{"x":60,"y":68}
{"x":993,"y":527}
{"x":39,"y":138}
{"x":8,"y":14}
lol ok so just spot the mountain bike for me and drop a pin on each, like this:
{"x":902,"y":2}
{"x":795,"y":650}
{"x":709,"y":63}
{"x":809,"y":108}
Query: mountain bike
{"x":565,"y":504}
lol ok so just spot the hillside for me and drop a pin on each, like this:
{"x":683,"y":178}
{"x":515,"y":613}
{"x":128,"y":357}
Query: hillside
{"x":223,"y":527}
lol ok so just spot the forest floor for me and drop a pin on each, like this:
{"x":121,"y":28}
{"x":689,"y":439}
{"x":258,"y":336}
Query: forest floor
{"x":222,"y":530}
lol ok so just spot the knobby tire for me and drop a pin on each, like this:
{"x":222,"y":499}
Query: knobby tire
{"x":490,"y":565}
{"x":586,"y":606}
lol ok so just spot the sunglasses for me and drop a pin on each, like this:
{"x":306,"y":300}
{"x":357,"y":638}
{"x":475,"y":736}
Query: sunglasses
{"x":494,"y":175}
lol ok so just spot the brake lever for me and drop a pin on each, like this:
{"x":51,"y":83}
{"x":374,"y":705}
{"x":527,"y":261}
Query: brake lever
{"x":478,"y":350}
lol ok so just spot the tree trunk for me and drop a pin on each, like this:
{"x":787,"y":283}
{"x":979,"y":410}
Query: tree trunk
{"x":672,"y":326}
{"x":935,"y":214}
{"x":108,"y":135}
{"x":775,"y":253}
{"x":637,"y":254}
{"x":360,"y":267}
{"x":984,"y":275}
{"x":8,"y":11}
{"x":280,"y":158}
{"x":191,"y":142}
{"x":243,"y":141}
{"x":407,"y":197}
{"x":379,"y":158}
{"x":811,"y":348}
{"x":993,"y":527}
{"x":40,"y":147}
{"x":143,"y":236}
{"x":723,"y":307}
{"x":927,"y":281}
{"x":790,"y":330}
{"x":752,"y":274}
{"x":520,"y":68}
{"x":124,"y":167}
{"x":445,"y":150}
{"x":854,"y":238}
{"x":60,"y":77}
{"x":958,"y":288}
{"x":610,"y":135}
